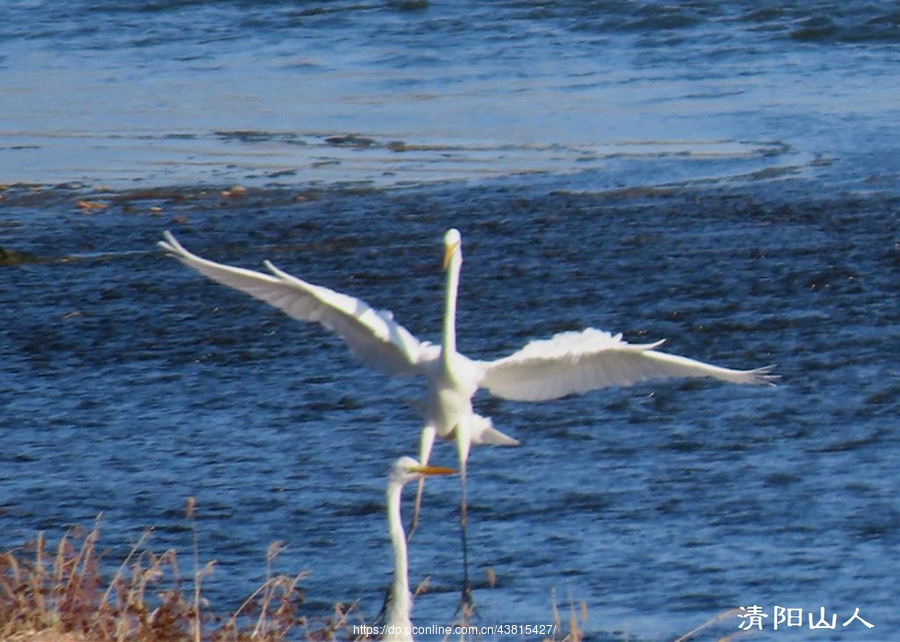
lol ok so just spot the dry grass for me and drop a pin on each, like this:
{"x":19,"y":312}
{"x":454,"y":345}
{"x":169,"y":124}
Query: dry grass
{"x":572,"y":631}
{"x":728,"y":615}
{"x":59,"y":594}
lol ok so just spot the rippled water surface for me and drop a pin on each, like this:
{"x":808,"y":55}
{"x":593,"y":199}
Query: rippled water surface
{"x":270,"y":92}
{"x":722,"y":175}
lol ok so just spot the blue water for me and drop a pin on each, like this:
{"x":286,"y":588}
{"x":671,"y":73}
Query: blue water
{"x":115,"y":93}
{"x":723,"y":175}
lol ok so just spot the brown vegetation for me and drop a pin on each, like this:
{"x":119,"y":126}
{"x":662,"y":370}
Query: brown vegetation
{"x":59,"y":594}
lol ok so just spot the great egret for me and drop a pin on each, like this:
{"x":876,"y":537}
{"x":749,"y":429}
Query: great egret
{"x":404,"y":470}
{"x":567,"y":363}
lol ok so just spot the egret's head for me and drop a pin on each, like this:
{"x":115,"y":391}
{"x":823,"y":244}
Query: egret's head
{"x":452,"y":246}
{"x":407,"y":469}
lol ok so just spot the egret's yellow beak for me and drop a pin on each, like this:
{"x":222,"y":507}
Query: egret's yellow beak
{"x":433,"y":470}
{"x":448,"y":253}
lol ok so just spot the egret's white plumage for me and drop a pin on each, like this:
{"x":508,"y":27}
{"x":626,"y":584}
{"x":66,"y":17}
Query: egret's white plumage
{"x":567,"y":363}
{"x":406,"y":469}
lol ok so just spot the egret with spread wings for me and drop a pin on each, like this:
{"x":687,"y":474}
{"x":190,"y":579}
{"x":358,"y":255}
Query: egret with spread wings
{"x":567,"y":363}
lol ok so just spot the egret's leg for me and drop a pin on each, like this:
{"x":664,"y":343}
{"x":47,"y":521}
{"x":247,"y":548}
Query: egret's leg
{"x":467,"y":600}
{"x":427,"y":441}
{"x":463,"y":442}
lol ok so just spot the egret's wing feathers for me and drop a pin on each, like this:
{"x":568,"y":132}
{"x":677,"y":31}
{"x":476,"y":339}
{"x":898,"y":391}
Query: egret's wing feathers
{"x":576,"y":362}
{"x":372,"y":335}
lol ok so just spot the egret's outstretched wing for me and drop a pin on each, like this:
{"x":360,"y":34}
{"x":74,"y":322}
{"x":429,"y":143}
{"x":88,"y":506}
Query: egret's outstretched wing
{"x":575,"y":362}
{"x":372,"y":335}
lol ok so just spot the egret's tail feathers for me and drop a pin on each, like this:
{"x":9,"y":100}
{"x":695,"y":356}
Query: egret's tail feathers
{"x":494,"y":437}
{"x":483,"y":432}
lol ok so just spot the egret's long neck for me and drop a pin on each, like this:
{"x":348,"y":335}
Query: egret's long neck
{"x":448,"y":350}
{"x":400,"y":606}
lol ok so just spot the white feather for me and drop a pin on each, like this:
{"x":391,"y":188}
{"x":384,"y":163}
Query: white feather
{"x":373,"y":336}
{"x":576,"y":362}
